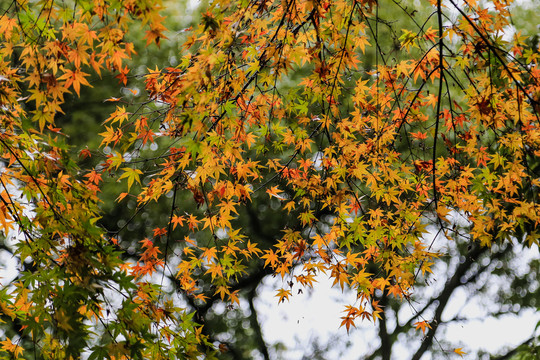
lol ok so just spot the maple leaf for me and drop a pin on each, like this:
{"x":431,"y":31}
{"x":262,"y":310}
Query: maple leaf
{"x":422,"y":325}
{"x":75,"y":78}
{"x":132,"y":175}
{"x":155,"y":34}
{"x":193,"y":222}
{"x":85,"y":153}
{"x":271,"y":258}
{"x":340,"y":276}
{"x":9,"y":346}
{"x":460,"y":352}
{"x":275,"y":192}
{"x":215,"y":270}
{"x":252,"y":249}
{"x":419,"y":135}
{"x":119,"y":115}
{"x":147,"y":243}
{"x":209,"y":254}
{"x":94,"y":177}
{"x":121,"y":196}
{"x":112,"y":99}
{"x":222,"y":291}
{"x":159,"y":232}
{"x":177,"y":220}
{"x":111,"y":135}
{"x":289,"y":206}
{"x":348,"y":321}
{"x":62,"y":320}
{"x":283,"y":294}
{"x":227,"y":208}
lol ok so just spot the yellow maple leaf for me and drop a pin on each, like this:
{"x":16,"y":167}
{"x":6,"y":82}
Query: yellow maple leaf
{"x":9,"y":346}
{"x":283,"y":294}
{"x":460,"y":352}
{"x":62,"y":320}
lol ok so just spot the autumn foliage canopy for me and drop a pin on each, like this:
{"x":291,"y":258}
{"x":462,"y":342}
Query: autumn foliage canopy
{"x":361,"y":144}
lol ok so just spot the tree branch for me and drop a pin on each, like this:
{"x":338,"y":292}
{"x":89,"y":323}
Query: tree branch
{"x":386,"y":342}
{"x":452,"y":284}
{"x":256,"y":325}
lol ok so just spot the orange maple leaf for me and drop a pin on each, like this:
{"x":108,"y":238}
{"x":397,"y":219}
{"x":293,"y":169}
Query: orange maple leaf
{"x":419,"y":135}
{"x":422,"y":325}
{"x":347,"y":322}
{"x":271,"y":258}
{"x":76,"y":79}
{"x":177,"y":220}
{"x":283,"y":294}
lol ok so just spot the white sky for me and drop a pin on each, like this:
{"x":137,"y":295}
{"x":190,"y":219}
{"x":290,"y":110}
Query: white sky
{"x":316,"y":316}
{"x":308,"y":317}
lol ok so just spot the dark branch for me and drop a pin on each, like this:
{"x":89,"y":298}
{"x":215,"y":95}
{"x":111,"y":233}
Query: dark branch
{"x":256,"y":326}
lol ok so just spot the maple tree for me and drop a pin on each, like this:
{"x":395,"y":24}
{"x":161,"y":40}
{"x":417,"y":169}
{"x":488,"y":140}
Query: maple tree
{"x":290,"y":139}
